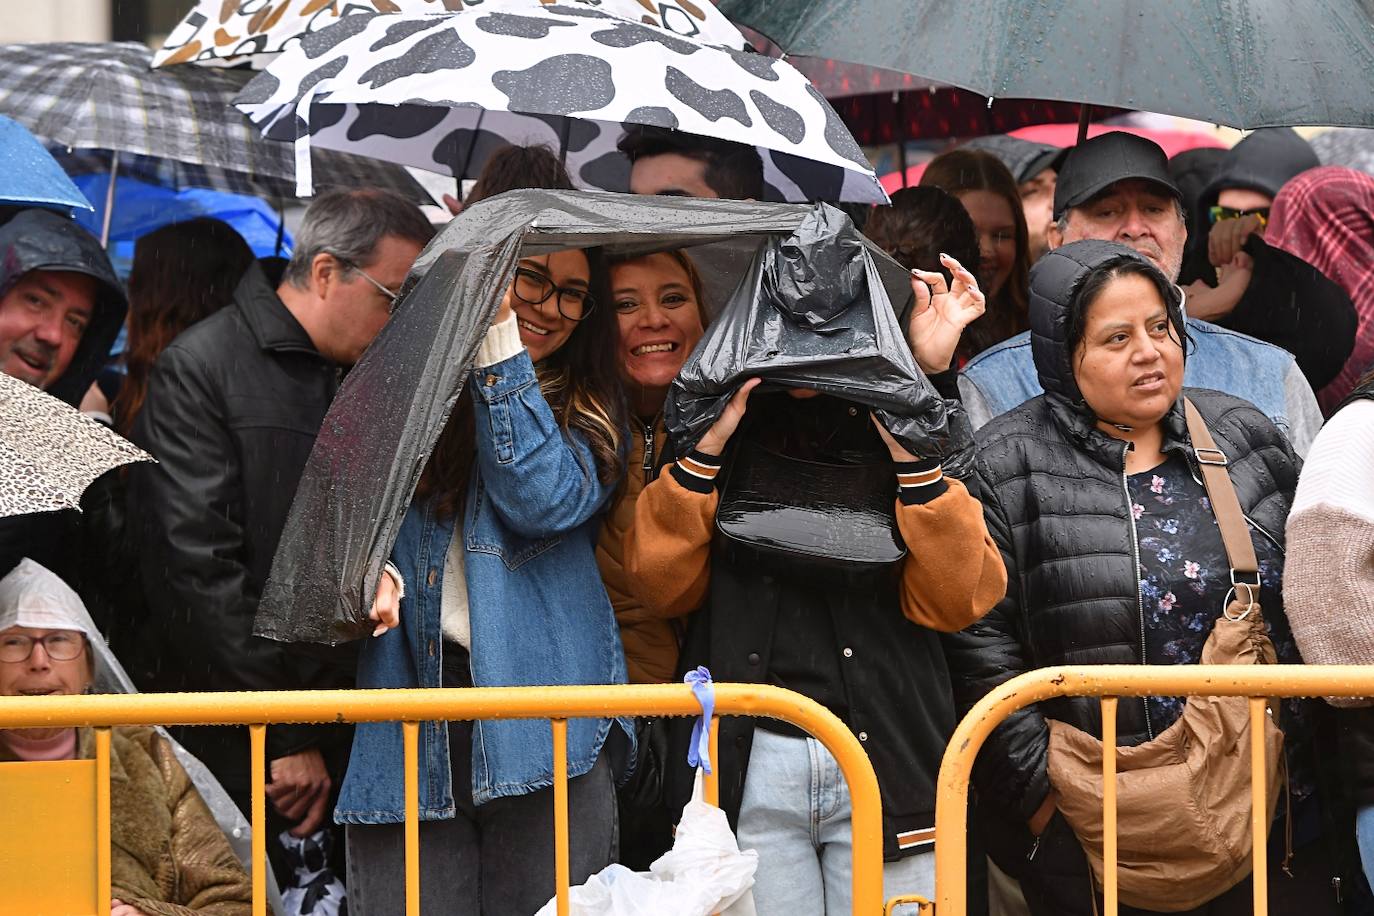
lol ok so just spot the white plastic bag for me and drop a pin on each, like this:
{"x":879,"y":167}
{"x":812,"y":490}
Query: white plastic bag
{"x":705,"y":872}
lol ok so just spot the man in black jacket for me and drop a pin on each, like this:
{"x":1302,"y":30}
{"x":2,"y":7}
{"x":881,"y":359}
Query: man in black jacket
{"x":61,"y":307}
{"x":232,"y":411}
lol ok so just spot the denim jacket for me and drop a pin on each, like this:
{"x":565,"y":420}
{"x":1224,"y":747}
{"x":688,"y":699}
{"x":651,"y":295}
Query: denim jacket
{"x":539,"y":614}
{"x":1003,"y":377}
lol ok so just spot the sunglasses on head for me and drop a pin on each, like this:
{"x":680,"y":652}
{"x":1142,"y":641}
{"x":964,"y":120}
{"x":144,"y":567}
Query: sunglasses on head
{"x":1217,"y":213}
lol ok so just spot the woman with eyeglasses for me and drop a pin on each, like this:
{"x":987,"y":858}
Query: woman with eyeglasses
{"x":167,"y":853}
{"x":494,"y":582}
{"x":989,"y":193}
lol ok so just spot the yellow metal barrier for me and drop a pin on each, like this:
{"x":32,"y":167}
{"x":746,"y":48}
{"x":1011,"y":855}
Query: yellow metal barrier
{"x":411,"y":707}
{"x":1110,"y":682}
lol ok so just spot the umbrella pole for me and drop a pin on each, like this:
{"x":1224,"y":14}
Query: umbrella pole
{"x":1084,"y":113}
{"x":109,"y":200}
{"x":564,"y":136}
{"x":281,"y":226}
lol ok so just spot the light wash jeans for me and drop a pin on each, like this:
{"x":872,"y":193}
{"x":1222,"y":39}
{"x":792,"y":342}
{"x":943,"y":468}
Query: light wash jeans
{"x":795,"y":813}
{"x":1364,"y":833}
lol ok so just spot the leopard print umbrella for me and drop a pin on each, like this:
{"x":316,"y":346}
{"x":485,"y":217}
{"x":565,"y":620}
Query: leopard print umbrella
{"x":50,"y":452}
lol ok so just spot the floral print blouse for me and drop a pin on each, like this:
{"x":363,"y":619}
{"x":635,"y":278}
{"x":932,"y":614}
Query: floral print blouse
{"x":1184,"y":578}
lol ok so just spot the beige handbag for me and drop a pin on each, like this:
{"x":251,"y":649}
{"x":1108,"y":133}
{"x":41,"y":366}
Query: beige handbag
{"x":1183,"y":799}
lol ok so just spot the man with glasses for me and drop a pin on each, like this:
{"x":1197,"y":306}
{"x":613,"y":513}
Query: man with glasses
{"x":232,"y":411}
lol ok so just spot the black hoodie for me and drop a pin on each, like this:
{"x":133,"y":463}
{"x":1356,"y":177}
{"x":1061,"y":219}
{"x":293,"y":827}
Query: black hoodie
{"x":44,"y":240}
{"x":1055,"y":499}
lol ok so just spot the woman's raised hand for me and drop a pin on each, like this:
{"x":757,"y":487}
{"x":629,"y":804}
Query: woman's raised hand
{"x":386,"y":607}
{"x":715,"y":438}
{"x":941,"y":314}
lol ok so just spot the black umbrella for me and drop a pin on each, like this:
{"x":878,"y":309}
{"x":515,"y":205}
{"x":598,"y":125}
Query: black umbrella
{"x":394,"y":403}
{"x":1244,"y":63}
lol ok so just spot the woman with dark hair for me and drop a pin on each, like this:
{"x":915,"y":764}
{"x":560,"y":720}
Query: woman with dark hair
{"x":511,"y":168}
{"x":494,"y":582}
{"x":1093,"y":493}
{"x":989,"y":193}
{"x":182,"y":273}
{"x":922,"y":224}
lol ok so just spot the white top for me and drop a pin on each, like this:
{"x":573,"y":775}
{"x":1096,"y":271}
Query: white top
{"x":500,"y":344}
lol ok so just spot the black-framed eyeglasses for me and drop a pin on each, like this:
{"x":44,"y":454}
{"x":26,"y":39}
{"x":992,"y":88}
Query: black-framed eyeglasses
{"x":1217,"y":214}
{"x":393,"y":296}
{"x":534,"y":288}
{"x":61,"y":646}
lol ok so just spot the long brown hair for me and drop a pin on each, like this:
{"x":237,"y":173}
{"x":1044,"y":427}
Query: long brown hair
{"x":957,"y":171}
{"x":580,"y":384}
{"x":182,"y":273}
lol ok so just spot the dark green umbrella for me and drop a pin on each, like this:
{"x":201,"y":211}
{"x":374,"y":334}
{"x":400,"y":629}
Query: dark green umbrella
{"x":1243,"y":63}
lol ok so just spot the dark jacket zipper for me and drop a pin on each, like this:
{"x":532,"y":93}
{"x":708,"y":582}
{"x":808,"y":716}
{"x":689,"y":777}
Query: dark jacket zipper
{"x":1135,"y":571}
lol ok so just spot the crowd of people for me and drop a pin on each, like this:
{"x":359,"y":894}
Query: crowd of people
{"x":1073,"y":307}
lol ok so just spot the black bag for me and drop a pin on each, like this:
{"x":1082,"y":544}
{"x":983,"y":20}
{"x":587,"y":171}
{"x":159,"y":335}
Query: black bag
{"x":646,"y":824}
{"x":840,"y":516}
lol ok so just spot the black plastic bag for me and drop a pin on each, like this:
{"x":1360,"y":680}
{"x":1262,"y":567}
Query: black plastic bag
{"x":811,"y":312}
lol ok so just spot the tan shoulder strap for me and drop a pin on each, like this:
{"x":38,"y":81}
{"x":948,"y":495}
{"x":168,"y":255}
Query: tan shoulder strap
{"x":1235,"y":533}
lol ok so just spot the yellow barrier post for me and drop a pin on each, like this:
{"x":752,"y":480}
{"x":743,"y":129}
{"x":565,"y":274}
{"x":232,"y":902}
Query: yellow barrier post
{"x":257,"y":743}
{"x":102,"y":819}
{"x":410,"y":741}
{"x":561,"y":871}
{"x":1259,"y":807}
{"x":1109,"y":805}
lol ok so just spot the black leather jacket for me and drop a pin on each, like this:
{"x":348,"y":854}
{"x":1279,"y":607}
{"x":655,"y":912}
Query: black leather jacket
{"x":233,"y":408}
{"x":1055,"y":499}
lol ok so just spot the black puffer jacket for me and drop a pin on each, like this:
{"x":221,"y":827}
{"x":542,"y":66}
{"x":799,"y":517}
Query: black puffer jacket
{"x":1054,"y":493}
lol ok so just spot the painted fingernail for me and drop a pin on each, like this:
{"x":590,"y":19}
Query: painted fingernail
{"x":381,"y":628}
{"x":944,"y":257}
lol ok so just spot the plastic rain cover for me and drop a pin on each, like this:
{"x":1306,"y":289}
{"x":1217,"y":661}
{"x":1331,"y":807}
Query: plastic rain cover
{"x":393,"y":405}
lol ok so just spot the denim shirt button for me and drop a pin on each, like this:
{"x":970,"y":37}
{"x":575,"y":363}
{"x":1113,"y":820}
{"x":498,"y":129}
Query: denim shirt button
{"x":433,"y":576}
{"x":492,"y":379}
{"x":431,"y":648}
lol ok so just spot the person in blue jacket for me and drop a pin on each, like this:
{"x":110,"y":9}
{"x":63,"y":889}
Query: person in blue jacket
{"x":494,"y":582}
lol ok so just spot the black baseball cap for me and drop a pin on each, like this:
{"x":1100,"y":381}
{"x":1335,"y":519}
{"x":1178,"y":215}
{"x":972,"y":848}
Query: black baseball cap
{"x":1094,"y":165}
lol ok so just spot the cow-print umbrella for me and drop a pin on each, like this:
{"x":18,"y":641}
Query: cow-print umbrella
{"x":440,"y":92}
{"x":50,"y":452}
{"x":234,"y":32}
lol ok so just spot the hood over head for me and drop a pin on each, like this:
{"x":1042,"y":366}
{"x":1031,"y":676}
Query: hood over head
{"x":1264,"y":161}
{"x":44,"y":240}
{"x":1055,"y":283}
{"x":1023,"y":158}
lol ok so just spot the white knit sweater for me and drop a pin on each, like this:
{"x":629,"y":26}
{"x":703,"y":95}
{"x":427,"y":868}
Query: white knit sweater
{"x":1328,"y":577}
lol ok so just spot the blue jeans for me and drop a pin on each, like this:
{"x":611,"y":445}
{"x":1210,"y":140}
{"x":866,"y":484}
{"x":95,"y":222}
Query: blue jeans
{"x":1364,"y":832}
{"x":795,"y":813}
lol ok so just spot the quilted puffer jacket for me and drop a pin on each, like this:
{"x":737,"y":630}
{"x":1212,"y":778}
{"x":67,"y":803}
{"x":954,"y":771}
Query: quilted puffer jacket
{"x":1055,"y":499}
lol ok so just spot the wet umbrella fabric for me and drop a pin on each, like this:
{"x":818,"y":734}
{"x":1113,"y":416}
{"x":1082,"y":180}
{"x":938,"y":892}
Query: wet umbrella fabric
{"x":30,"y":176}
{"x":394,"y":403}
{"x":253,"y":32}
{"x":563,"y":62}
{"x":1234,"y":62}
{"x":50,"y":452}
{"x":104,"y":97}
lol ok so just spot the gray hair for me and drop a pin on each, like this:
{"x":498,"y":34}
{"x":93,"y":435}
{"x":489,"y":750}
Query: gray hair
{"x":349,"y":225}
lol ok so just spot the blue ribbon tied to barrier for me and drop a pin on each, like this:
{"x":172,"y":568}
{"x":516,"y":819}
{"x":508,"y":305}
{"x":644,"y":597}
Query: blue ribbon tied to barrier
{"x":699,"y":751}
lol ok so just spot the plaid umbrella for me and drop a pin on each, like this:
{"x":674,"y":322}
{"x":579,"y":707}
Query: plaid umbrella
{"x":106,"y":97}
{"x":50,"y":452}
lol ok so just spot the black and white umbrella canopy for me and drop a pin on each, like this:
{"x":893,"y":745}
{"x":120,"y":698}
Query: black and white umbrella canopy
{"x":366,"y":83}
{"x":228,"y":33}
